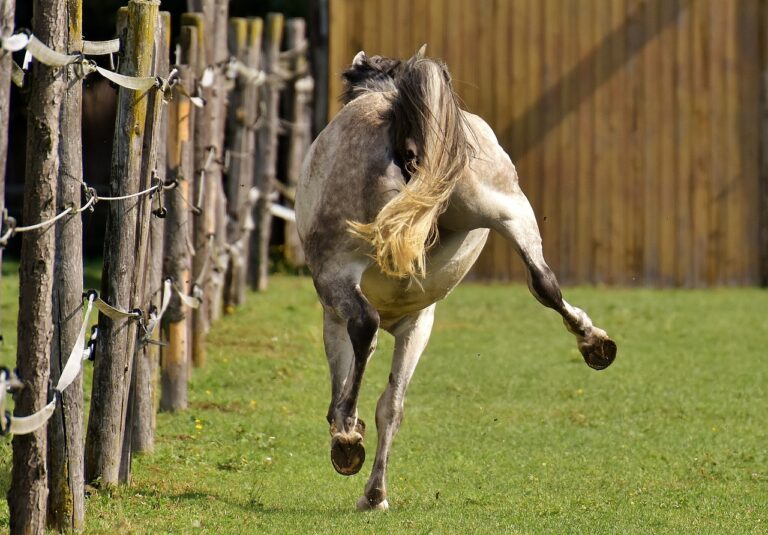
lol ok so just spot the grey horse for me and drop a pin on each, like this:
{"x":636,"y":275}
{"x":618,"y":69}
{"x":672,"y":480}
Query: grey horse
{"x":395,"y":202}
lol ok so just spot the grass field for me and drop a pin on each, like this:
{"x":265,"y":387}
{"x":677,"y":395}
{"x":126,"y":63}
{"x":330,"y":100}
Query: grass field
{"x":506,"y":429}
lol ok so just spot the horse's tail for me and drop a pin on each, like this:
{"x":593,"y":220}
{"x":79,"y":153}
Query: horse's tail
{"x":425,"y":120}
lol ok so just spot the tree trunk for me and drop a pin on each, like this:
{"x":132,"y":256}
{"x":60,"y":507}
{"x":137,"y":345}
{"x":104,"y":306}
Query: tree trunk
{"x":66,"y":502}
{"x":123,"y":252}
{"x":28,"y":494}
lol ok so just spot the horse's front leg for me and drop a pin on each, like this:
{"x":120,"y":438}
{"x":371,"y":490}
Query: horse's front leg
{"x":350,"y":326}
{"x":517,"y":222}
{"x":411,"y":337}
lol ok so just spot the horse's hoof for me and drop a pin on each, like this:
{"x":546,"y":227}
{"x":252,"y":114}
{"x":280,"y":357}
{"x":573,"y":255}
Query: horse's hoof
{"x":598,"y":350}
{"x":364,"y":504}
{"x":347,"y":453}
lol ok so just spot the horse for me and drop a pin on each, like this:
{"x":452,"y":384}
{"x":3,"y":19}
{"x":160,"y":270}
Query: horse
{"x":394,"y":204}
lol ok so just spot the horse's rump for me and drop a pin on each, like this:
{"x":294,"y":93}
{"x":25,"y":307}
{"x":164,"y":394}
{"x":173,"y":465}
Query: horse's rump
{"x":429,"y":139}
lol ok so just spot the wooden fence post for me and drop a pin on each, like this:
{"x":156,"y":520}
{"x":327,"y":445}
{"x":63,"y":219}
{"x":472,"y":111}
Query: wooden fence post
{"x":66,"y":501}
{"x":220,"y":55}
{"x":266,"y":166}
{"x":763,"y":147}
{"x":300,"y":118}
{"x":143,"y":437}
{"x":245,"y":45}
{"x":7,"y":10}
{"x":200,"y":225}
{"x":126,"y":250}
{"x":28,"y":494}
{"x":181,"y":116}
{"x":140,"y":277}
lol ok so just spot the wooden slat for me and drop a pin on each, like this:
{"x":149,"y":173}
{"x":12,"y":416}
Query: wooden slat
{"x":437,"y":22}
{"x":651,"y":120}
{"x":371,"y":41}
{"x":718,"y":193}
{"x":684,"y":124}
{"x":566,"y":198}
{"x":750,"y":139}
{"x":634,"y":164}
{"x":603,"y":146}
{"x":701,"y":142}
{"x":585,"y":194}
{"x":337,"y":52}
{"x":617,"y":228}
{"x":667,"y":149}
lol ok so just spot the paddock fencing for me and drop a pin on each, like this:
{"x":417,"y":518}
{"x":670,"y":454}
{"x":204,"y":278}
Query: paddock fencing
{"x":193,"y":191}
{"x":637,"y":127}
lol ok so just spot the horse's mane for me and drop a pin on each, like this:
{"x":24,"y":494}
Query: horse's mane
{"x":376,"y":73}
{"x":429,"y":133}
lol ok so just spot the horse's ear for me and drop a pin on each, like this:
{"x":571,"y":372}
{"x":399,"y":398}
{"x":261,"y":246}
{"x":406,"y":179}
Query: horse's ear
{"x":422,"y":52}
{"x":360,"y":57}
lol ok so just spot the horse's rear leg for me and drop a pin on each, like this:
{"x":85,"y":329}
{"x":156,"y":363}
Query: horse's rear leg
{"x":411,"y":337}
{"x":518,"y":224}
{"x":350,"y":326}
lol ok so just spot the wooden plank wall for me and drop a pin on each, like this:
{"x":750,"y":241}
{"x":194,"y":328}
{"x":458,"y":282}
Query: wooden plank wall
{"x":634,"y":124}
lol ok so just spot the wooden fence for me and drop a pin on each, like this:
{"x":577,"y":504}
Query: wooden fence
{"x":635,"y":125}
{"x":182,"y":204}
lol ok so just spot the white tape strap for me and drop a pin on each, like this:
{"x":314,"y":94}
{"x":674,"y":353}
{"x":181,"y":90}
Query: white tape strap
{"x":15,"y":42}
{"x":283,"y":213}
{"x":208,"y":77}
{"x":155,"y":317}
{"x":112,"y":312}
{"x":23,"y":425}
{"x":42,"y":53}
{"x":192,"y":301}
{"x":129,"y":82}
{"x":249,"y":75}
{"x":101,"y":48}
{"x":74,"y":362}
{"x":198,"y":102}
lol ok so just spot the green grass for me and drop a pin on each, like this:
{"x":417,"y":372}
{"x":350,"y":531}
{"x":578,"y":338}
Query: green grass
{"x":506,"y":429}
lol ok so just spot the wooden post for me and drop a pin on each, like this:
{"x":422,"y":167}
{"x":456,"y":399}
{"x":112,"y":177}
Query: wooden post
{"x":211,"y":134}
{"x":266,"y":167}
{"x":66,"y":507}
{"x":763,"y":179}
{"x":201,"y":223}
{"x":300,"y":117}
{"x":28,"y":494}
{"x":181,"y":116}
{"x":220,"y":54}
{"x":7,"y":10}
{"x":143,"y":437}
{"x":244,"y":44}
{"x":318,"y":37}
{"x":125,"y":251}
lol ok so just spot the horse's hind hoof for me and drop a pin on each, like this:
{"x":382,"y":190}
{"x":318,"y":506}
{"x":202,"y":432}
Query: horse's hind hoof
{"x":364,"y":504}
{"x":598,"y":350}
{"x":347,"y":453}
